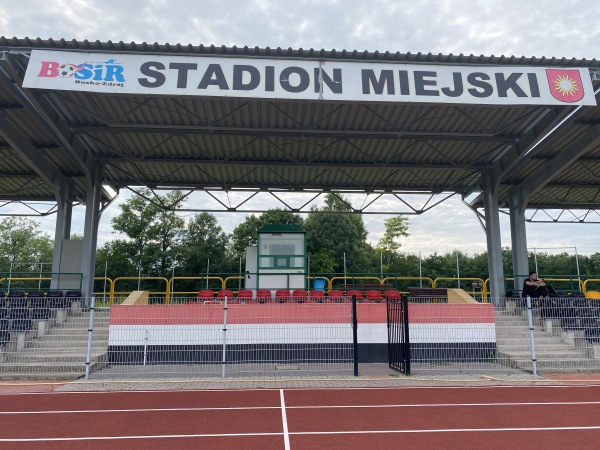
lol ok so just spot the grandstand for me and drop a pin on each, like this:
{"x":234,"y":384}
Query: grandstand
{"x":393,"y":131}
{"x":230,"y":332}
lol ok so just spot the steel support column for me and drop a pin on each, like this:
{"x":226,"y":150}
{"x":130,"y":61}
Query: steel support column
{"x":494,"y":244}
{"x":90,"y":232}
{"x":518,"y":235}
{"x":62,"y":230}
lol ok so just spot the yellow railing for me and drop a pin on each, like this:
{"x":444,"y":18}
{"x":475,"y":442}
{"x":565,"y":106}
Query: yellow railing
{"x":484,"y":292}
{"x":169,"y":291}
{"x":330,"y":282}
{"x":167,"y":286}
{"x":235,"y":277}
{"x":557,"y":280}
{"x":110,"y":284}
{"x":26,"y":279}
{"x":385,"y":280}
{"x":221,"y":281}
{"x":11,"y":279}
{"x":584,"y":288}
{"x":565,"y":280}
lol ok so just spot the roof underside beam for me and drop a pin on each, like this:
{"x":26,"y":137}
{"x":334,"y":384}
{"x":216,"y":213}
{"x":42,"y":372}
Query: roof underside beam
{"x":347,"y":188}
{"x":300,"y":164}
{"x":515,"y":156}
{"x":34,"y":159}
{"x":539,"y":129}
{"x":550,"y":169}
{"x":45,"y":113}
{"x":290,"y":132}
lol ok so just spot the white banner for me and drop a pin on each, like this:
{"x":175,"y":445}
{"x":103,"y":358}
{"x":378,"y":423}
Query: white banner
{"x":300,"y":79}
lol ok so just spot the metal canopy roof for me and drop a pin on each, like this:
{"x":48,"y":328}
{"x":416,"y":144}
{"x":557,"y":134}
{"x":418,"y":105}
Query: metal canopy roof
{"x":51,"y":139}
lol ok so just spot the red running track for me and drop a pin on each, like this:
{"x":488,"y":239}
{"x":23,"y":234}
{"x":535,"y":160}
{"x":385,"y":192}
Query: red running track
{"x":453,"y":417}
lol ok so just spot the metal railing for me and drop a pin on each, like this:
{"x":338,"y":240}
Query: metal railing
{"x":218,"y":283}
{"x":167,"y":291}
{"x":483,"y":293}
{"x":561,"y":335}
{"x":27,"y":277}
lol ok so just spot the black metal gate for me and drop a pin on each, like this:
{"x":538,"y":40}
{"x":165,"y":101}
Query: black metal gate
{"x":398,"y":340}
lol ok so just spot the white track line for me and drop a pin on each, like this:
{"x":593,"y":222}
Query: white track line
{"x":286,"y":435}
{"x":159,"y":436}
{"x":448,"y":430}
{"x":244,"y":408}
{"x":98,"y":411}
{"x":301,"y":433}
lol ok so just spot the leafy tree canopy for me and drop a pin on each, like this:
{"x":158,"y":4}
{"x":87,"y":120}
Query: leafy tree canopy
{"x":23,"y":244}
{"x":244,"y":234}
{"x":335,"y":235}
{"x":151,"y":225}
{"x":204,"y":240}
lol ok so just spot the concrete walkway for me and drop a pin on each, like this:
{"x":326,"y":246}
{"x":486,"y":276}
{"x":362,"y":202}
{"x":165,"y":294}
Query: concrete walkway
{"x":371,"y":375}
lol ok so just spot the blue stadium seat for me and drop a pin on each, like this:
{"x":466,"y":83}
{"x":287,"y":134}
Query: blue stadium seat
{"x":319,"y":284}
{"x":4,"y":332}
{"x":3,"y":305}
{"x":39,"y":305}
{"x":19,"y":312}
{"x":72,"y":296}
{"x":56,"y":299}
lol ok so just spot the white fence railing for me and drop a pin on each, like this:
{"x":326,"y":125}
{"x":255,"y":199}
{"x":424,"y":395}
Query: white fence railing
{"x":47,"y":337}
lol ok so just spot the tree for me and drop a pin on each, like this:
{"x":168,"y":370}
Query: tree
{"x":167,"y":229}
{"x":23,"y":244}
{"x":244,"y":234}
{"x":335,"y":231}
{"x":153,"y":227}
{"x":395,"y":227}
{"x":204,"y":240}
{"x":118,"y":258}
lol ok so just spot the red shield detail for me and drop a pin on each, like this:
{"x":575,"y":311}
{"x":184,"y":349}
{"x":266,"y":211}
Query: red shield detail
{"x":565,"y":85}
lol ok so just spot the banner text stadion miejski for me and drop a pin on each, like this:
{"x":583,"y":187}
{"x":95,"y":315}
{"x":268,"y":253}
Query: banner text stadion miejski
{"x":308,"y":79}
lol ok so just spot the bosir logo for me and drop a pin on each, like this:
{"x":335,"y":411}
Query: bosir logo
{"x":99,"y":73}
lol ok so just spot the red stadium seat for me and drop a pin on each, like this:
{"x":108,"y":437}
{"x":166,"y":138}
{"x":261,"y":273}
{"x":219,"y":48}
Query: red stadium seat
{"x":374,"y":295}
{"x":335,"y":296}
{"x":226,"y":293}
{"x":392,"y":294}
{"x":244,"y":295}
{"x":300,"y":295}
{"x":263,"y":295}
{"x":316,"y":296}
{"x":356,"y":293}
{"x":206,"y":295}
{"x":282,"y":295}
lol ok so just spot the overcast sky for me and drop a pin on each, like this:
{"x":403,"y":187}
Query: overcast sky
{"x":551,"y":28}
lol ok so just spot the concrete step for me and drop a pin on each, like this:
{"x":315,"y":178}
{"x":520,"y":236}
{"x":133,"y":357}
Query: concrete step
{"x":86,"y":321}
{"x":66,"y":344}
{"x":61,"y":352}
{"x":74,"y":326}
{"x":50,"y":359}
{"x":547,"y":365}
{"x":547,"y":350}
{"x":522,"y":334}
{"x":540,"y":339}
{"x":553,"y":355}
{"x":55,"y":332}
{"x":53,"y":371}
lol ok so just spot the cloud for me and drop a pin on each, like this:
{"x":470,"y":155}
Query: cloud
{"x":553,"y":28}
{"x":486,"y":27}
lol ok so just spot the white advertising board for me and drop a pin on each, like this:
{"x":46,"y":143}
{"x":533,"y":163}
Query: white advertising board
{"x":303,"y":79}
